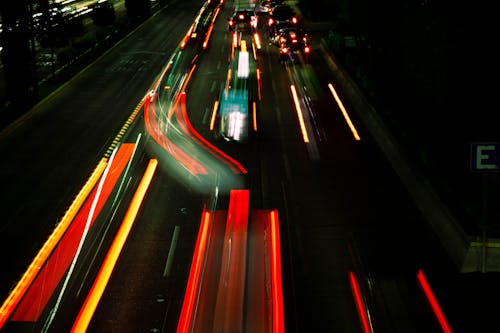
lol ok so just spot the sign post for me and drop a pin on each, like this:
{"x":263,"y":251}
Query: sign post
{"x":485,"y":158}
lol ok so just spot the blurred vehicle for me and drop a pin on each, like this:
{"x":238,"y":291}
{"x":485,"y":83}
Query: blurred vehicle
{"x":292,"y":42}
{"x":237,"y":99}
{"x":197,"y":34}
{"x":282,"y":15}
{"x":242,"y":20}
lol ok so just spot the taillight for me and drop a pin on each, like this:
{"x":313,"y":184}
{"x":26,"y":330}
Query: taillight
{"x":270,"y":22}
{"x":294,"y":20}
{"x":284,"y":50}
{"x":306,"y":49}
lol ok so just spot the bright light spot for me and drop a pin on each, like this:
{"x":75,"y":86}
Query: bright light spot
{"x":243,"y":65}
{"x":257,"y":40}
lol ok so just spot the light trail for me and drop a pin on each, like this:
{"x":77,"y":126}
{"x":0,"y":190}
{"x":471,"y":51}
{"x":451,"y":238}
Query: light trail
{"x":95,"y":294}
{"x":28,"y":277}
{"x":438,"y":312}
{"x":254,"y":116}
{"x":299,"y":114}
{"x":205,"y":42}
{"x":277,"y":284}
{"x":360,"y":304}
{"x":214,"y":114}
{"x":344,"y":112}
{"x":185,"y":320}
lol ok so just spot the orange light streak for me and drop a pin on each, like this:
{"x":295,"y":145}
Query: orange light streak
{"x":27,"y":279}
{"x":187,"y":80}
{"x":186,"y":38}
{"x":228,"y":80}
{"x":56,"y":265}
{"x":257,"y":40}
{"x":424,"y":284}
{"x":254,"y":116}
{"x":205,"y":43}
{"x":215,"y":15}
{"x":360,"y":305}
{"x":214,"y":114}
{"x":93,"y":298}
{"x":299,"y":114}
{"x":235,"y":40}
{"x":277,"y":287}
{"x":344,"y":113}
{"x":259,"y":83}
{"x":185,"y":319}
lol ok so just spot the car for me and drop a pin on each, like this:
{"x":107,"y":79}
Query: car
{"x":292,"y":42}
{"x":282,"y":15}
{"x":242,"y":19}
{"x":197,"y":34}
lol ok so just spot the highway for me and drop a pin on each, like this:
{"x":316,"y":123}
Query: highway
{"x":171,"y":224}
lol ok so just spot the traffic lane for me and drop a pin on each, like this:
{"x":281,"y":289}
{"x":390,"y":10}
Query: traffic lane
{"x":156,"y":304}
{"x":332,"y":199}
{"x":469,"y":312}
{"x":390,"y":235}
{"x":47,"y":157}
{"x":290,"y":183}
{"x":144,"y":293}
{"x":203,"y":95}
{"x":56,"y":294}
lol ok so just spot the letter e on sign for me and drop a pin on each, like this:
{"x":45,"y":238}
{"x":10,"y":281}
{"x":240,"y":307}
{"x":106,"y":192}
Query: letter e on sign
{"x":485,"y":156}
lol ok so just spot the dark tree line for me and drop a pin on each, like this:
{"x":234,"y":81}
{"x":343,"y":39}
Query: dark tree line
{"x":17,"y":56}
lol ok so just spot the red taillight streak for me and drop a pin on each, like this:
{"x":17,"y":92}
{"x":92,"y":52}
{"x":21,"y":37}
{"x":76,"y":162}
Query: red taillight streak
{"x":185,"y":319}
{"x":92,"y":300}
{"x":33,"y":303}
{"x":209,"y":32}
{"x":433,"y":302}
{"x":277,"y":288}
{"x":232,"y":163}
{"x":193,"y":166}
{"x":360,"y":305}
{"x":229,"y":307}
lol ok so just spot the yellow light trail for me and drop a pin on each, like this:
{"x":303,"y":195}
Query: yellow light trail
{"x":214,"y":114}
{"x":228,"y":80}
{"x":93,"y":298}
{"x":27,"y":279}
{"x":299,"y":114}
{"x":254,"y":114}
{"x":344,"y":112}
